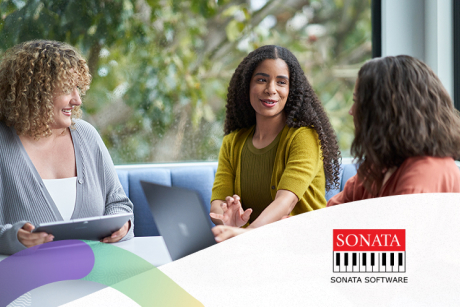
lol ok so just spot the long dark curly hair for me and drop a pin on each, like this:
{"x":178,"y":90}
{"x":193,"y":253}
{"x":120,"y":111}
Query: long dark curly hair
{"x":302,"y":109}
{"x":401,"y":110}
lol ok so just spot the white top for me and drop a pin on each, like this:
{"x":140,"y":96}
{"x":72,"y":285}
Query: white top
{"x":63,"y":192}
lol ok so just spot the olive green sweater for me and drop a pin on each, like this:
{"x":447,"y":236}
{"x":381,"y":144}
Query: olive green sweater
{"x":256,"y":173}
{"x":298,"y":168}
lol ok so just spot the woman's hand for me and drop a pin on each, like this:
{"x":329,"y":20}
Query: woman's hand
{"x":29,"y":239}
{"x":119,"y":234}
{"x":222,"y":233}
{"x":232,"y":212}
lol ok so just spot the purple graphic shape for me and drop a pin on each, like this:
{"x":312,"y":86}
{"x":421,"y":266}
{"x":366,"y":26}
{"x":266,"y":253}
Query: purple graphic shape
{"x":43,"y":264}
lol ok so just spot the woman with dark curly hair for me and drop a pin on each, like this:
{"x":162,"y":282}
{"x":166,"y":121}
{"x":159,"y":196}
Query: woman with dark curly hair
{"x":280,"y":152}
{"x":53,"y":166}
{"x":407,"y":132}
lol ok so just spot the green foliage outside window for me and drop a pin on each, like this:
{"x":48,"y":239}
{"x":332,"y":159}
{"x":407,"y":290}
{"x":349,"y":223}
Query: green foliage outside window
{"x":161,"y":67}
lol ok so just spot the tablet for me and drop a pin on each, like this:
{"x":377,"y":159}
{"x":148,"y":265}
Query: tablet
{"x":91,"y":228}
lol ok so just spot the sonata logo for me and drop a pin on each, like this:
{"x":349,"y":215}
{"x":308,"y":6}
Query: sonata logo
{"x":369,"y":250}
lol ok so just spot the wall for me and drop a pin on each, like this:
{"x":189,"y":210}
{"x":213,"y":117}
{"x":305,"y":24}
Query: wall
{"x":423,"y":29}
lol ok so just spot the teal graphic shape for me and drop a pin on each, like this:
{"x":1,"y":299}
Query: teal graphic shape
{"x":136,"y":278}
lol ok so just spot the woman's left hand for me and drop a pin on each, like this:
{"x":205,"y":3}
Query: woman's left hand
{"x":119,"y":234}
{"x":222,"y":232}
{"x":232,"y":212}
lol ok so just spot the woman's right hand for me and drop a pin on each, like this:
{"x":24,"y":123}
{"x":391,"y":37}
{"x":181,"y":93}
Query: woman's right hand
{"x":233,"y":213}
{"x":222,"y":233}
{"x":29,"y":239}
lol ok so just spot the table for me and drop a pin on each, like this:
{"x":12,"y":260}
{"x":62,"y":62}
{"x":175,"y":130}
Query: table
{"x":151,"y":249}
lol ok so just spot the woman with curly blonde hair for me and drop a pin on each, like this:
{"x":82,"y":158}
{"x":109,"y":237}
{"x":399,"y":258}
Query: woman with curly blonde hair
{"x":53,"y":166}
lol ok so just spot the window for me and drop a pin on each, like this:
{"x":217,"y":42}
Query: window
{"x":161,"y":68}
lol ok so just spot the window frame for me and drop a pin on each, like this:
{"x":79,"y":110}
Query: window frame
{"x":456,"y":52}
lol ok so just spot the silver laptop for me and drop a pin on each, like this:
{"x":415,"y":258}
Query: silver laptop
{"x":180,"y":218}
{"x":91,"y":228}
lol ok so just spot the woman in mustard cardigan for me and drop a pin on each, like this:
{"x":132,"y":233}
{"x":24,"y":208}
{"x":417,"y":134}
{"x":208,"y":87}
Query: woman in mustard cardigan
{"x":279,"y":153}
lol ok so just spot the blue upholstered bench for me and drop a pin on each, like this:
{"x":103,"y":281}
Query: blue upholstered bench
{"x":195,"y":176}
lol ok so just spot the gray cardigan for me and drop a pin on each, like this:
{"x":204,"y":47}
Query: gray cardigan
{"x":24,"y":197}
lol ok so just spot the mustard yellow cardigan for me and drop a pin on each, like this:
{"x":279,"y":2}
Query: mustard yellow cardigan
{"x":298,"y":168}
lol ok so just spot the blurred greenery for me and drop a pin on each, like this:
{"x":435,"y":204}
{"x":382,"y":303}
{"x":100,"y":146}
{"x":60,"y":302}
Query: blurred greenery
{"x":161,"y":67}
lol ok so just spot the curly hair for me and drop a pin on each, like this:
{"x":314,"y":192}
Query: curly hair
{"x":31,"y":74}
{"x":401,"y":110}
{"x":302,"y":109}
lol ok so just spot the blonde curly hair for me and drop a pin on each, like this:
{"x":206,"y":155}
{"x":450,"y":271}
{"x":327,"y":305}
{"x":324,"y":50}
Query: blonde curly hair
{"x":31,"y":74}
